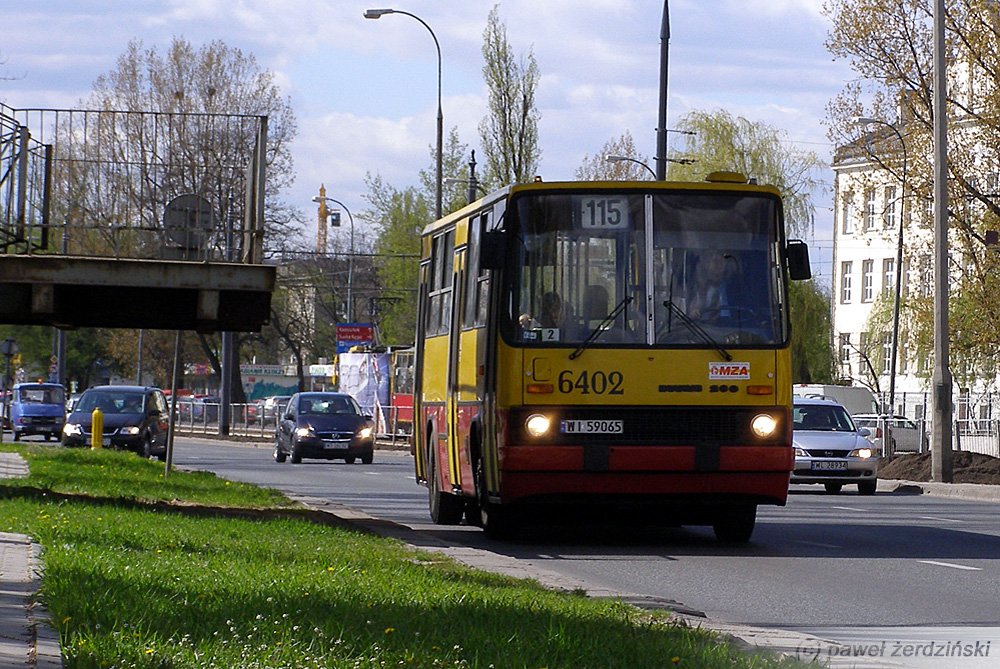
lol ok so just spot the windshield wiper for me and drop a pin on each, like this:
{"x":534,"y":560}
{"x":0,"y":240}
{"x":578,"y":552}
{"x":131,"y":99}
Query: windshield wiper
{"x":698,"y":331}
{"x":596,"y":332}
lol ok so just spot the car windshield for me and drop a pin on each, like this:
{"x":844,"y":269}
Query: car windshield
{"x":822,"y":417}
{"x":313,"y":406}
{"x":40,"y":395}
{"x":111,"y":402}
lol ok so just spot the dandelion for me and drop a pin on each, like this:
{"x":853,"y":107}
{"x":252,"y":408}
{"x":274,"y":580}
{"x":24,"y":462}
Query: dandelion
{"x":390,"y":630}
{"x":675,"y":660}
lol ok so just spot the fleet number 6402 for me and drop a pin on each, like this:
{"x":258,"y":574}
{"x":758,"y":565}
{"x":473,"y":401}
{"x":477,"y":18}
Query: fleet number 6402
{"x":597,"y":383}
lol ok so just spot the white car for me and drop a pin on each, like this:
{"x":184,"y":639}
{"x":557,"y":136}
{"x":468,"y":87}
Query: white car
{"x":907,"y":434}
{"x":830,"y":449}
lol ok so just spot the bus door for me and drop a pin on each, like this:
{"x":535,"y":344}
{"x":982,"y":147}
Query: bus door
{"x":454,"y":437}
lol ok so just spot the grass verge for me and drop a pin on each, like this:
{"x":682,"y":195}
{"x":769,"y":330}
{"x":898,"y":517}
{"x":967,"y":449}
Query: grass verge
{"x":195,"y":571}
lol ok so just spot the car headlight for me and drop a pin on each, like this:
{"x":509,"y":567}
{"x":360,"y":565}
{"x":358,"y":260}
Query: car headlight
{"x":864,"y":453}
{"x":72,"y":430}
{"x":303,"y":432}
{"x":800,"y":452}
{"x":365,"y":432}
{"x":763,"y":425}
{"x":129,"y":430}
{"x":537,"y":425}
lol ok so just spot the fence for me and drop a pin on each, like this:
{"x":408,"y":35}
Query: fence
{"x":249,"y":420}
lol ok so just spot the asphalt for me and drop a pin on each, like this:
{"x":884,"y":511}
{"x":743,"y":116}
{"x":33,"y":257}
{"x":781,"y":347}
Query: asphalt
{"x":27,"y":638}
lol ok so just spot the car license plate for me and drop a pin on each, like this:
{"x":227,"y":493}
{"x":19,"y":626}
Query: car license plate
{"x":830,"y":466}
{"x":336,"y":444}
{"x":592,"y":426}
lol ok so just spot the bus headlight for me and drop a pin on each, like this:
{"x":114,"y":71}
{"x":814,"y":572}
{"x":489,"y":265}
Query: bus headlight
{"x":537,"y":425}
{"x":763,"y":425}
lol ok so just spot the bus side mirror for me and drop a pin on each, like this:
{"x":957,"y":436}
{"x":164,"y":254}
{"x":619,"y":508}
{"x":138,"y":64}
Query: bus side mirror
{"x":798,"y":260}
{"x":492,"y":249}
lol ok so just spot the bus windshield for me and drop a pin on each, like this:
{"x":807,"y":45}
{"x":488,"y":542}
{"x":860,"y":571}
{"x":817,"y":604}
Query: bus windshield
{"x":689,"y":269}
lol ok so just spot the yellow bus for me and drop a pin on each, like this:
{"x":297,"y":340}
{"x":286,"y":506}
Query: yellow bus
{"x":610,"y":346}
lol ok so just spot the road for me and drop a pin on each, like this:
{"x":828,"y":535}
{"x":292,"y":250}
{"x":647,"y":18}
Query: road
{"x":883,"y":569}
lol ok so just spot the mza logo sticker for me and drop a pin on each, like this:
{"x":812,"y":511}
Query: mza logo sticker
{"x":729,"y":370}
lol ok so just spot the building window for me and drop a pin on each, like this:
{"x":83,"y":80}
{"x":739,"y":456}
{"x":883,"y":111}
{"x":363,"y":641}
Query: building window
{"x":845,"y":348}
{"x":926,"y":277}
{"x":867,"y":280}
{"x":845,"y":280}
{"x":886,"y":352}
{"x":870,"y":214}
{"x":847,"y":214}
{"x":888,"y":274}
{"x":889,"y":215}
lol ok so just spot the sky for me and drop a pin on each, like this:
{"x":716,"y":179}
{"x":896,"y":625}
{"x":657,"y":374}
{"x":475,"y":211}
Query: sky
{"x":365,"y":91}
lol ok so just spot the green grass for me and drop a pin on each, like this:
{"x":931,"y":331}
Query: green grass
{"x":132,"y":582}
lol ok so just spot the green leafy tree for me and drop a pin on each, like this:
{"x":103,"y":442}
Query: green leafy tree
{"x":398,"y":216}
{"x":889,"y":46}
{"x":721,"y":141}
{"x":509,"y":132}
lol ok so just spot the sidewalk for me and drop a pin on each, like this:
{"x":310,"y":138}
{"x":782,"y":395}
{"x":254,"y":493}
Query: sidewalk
{"x":26,"y":638}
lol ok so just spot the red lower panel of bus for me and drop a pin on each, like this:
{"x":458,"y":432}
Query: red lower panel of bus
{"x":642,"y":470}
{"x":770,"y":486}
{"x":646,"y":459}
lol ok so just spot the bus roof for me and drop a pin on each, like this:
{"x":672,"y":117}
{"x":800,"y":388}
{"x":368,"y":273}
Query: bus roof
{"x":716,"y":181}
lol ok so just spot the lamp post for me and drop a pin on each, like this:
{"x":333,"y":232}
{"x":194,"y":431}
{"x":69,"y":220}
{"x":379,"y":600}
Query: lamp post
{"x":622,"y":159}
{"x":941,"y":431}
{"x":320,"y":199}
{"x":378,"y":13}
{"x":863,"y":121}
{"x":661,"y":130}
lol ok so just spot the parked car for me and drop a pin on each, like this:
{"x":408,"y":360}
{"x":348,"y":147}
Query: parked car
{"x":274,"y":407}
{"x":830,"y":449}
{"x":329,"y":426}
{"x":135,"y":418}
{"x":906,"y":434}
{"x":37,"y":408}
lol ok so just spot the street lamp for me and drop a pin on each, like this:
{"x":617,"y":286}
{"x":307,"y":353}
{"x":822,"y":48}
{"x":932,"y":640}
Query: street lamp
{"x":863,"y":121}
{"x":622,"y":159}
{"x":320,"y":199}
{"x":378,"y":13}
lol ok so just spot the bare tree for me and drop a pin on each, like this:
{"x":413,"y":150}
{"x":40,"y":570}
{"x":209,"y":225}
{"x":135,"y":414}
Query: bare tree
{"x":598,"y":168}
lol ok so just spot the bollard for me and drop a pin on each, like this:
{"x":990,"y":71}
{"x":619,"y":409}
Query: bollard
{"x":96,"y":429}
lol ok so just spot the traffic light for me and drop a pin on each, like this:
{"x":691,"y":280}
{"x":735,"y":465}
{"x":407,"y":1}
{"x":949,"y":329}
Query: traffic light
{"x":335,"y":219}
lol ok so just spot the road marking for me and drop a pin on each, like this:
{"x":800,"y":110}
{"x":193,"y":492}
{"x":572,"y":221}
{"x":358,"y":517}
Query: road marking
{"x":943,"y":520}
{"x":949,"y":564}
{"x":849,"y":508}
{"x":816,"y":543}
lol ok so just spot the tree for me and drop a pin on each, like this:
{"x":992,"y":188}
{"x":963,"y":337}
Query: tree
{"x":398,"y":216}
{"x":812,"y":356}
{"x":597,"y":168}
{"x":888,"y":43}
{"x":721,"y":141}
{"x":509,"y":132}
{"x":167,"y":123}
{"x":453,"y":165}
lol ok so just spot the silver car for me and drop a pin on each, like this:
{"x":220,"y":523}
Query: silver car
{"x":830,"y":449}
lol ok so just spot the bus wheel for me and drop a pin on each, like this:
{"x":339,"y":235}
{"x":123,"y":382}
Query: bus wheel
{"x":446,"y":509}
{"x":735,"y":524}
{"x":496,"y":521}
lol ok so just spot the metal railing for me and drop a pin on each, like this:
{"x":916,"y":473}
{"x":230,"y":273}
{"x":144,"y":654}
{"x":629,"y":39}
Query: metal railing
{"x":250,"y":420}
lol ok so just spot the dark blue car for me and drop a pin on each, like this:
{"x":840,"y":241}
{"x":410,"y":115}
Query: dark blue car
{"x":136,"y":418}
{"x":328,"y":426}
